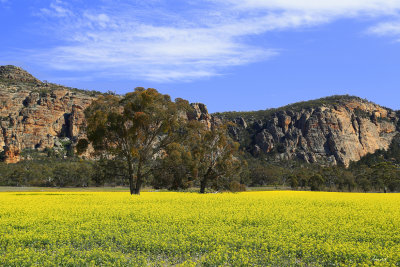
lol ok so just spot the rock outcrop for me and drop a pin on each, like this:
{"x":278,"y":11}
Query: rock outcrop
{"x":11,"y":73}
{"x":329,"y":134}
{"x":200,"y":113}
{"x":36,"y":115}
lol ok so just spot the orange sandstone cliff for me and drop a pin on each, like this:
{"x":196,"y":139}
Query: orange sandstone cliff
{"x":37,"y":115}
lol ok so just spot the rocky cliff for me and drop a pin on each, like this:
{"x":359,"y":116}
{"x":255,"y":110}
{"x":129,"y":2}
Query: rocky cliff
{"x":332,"y":130}
{"x":37,"y":115}
{"x":200,"y":113}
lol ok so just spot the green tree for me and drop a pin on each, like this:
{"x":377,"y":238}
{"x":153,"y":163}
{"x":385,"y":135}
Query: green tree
{"x":174,"y":170}
{"x":316,"y":182}
{"x":348,"y":180}
{"x":294,"y":183}
{"x":383,"y":175}
{"x":110,"y":171}
{"x":303,"y":175}
{"x":136,"y":127}
{"x":213,"y":155}
{"x":364,"y":184}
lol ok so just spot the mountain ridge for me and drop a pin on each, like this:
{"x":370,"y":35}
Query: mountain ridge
{"x":332,"y":130}
{"x":323,"y":101}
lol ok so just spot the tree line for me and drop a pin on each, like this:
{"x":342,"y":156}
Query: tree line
{"x":373,"y":173}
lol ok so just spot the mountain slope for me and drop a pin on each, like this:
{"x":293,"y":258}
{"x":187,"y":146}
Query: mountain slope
{"x":337,"y":129}
{"x":37,"y":115}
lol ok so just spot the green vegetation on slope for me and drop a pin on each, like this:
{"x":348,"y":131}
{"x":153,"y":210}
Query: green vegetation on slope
{"x":266,"y":114}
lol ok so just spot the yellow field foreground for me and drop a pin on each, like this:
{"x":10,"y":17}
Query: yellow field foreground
{"x":251,"y":228}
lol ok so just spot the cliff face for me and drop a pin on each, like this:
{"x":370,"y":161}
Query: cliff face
{"x":329,"y":134}
{"x":37,"y":115}
{"x":200,"y":113}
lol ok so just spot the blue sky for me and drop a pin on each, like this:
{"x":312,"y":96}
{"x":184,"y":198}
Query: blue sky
{"x":229,"y":54}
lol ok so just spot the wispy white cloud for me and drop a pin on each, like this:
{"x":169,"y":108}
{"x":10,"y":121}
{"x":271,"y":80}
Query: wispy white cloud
{"x":153,"y":42}
{"x":56,"y":9}
{"x":391,"y":28}
{"x":332,"y":7}
{"x":120,"y":44}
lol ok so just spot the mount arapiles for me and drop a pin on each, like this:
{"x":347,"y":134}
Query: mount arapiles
{"x":330,"y":131}
{"x":335,"y":130}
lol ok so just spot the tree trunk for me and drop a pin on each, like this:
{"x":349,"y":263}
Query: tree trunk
{"x":203,"y":184}
{"x":131,"y":186}
{"x":138,"y":185}
{"x":130,"y":173}
{"x":139,"y":178}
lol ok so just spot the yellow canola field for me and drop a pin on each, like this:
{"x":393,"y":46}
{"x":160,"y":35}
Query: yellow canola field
{"x":251,"y":228}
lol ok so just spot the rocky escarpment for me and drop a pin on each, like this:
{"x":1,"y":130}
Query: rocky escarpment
{"x":37,"y":115}
{"x":333,"y":130}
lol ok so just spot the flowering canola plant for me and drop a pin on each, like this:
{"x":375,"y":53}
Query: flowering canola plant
{"x":188,"y":229}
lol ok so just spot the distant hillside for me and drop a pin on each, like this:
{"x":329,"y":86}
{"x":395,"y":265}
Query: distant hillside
{"x":37,"y":115}
{"x":332,"y":130}
{"x":16,"y":79}
{"x":330,"y":101}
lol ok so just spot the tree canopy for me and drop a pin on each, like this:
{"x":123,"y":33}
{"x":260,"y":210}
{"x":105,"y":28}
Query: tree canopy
{"x":136,"y":127}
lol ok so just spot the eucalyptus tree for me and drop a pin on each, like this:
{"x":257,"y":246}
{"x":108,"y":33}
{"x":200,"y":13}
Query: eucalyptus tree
{"x":213,"y":154}
{"x":136,"y":127}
